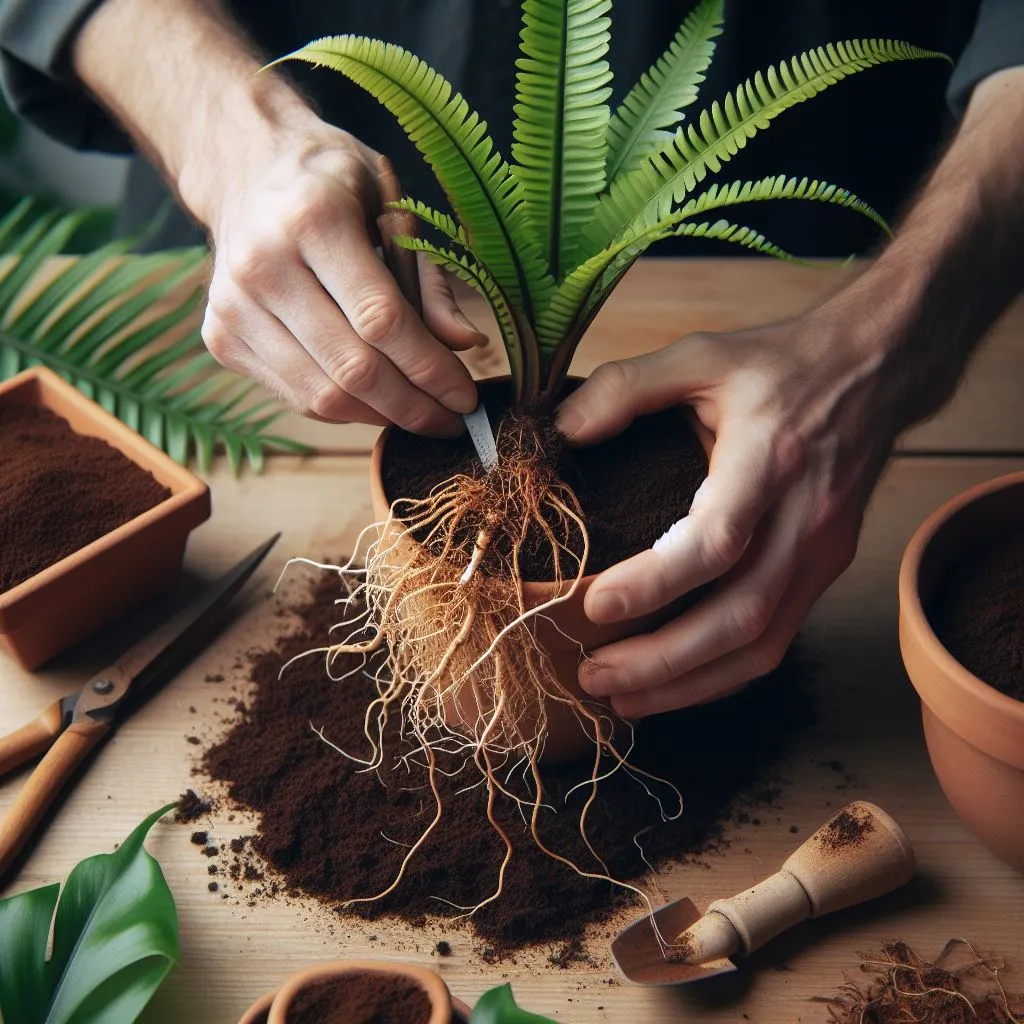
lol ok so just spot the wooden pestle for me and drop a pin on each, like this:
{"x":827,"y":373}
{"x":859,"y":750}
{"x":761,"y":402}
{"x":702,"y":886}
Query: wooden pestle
{"x":858,"y":854}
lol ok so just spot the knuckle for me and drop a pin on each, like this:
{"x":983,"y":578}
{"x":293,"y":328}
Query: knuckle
{"x":749,"y":615}
{"x":766,"y":659}
{"x":305,"y":212}
{"x":722,"y":544}
{"x":326,"y":402}
{"x":218,"y":341}
{"x":356,"y":371}
{"x":615,"y":377}
{"x":253,"y":269}
{"x":377,"y":318}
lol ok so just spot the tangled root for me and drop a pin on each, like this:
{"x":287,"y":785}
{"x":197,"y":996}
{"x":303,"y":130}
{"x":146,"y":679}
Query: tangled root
{"x":446,"y":632}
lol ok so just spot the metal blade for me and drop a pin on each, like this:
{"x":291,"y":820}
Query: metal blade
{"x":482,"y":436}
{"x":163,"y":653}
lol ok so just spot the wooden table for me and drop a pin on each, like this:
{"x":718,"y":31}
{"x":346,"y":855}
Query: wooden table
{"x":867,"y":710}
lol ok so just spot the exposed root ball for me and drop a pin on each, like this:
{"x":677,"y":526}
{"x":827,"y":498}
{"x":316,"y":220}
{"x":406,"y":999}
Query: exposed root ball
{"x":449,"y":635}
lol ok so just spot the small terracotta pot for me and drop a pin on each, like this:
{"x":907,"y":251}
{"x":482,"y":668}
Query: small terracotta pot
{"x":975,"y":734}
{"x":565,"y":628}
{"x":274,"y":1007}
{"x":100,"y":582}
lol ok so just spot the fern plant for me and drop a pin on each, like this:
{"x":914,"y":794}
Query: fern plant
{"x":91,"y":322}
{"x":546,"y":237}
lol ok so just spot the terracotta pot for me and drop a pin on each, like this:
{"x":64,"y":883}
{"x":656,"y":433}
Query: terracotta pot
{"x":975,"y":734}
{"x":97,"y":584}
{"x":563,"y":631}
{"x":274,"y":1007}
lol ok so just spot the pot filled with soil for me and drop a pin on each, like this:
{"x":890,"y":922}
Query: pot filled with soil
{"x":360,"y":992}
{"x":93,"y":518}
{"x":962,"y":639}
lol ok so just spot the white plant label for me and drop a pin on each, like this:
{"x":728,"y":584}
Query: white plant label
{"x":480,"y":433}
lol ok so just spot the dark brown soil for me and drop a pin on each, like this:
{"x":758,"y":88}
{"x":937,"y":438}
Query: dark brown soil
{"x":361,"y":999}
{"x":59,"y":491}
{"x":322,"y":822}
{"x":191,"y":806}
{"x":631,"y":488}
{"x":978,"y":613}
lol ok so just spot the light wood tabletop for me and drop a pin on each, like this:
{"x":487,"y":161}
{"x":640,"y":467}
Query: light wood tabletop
{"x":867,"y":718}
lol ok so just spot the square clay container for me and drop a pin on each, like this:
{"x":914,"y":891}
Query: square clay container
{"x":117,"y":572}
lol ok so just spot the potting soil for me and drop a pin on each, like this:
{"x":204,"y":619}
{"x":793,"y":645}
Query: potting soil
{"x":361,"y":999}
{"x":333,"y":831}
{"x":60,"y":490}
{"x":979,"y":612}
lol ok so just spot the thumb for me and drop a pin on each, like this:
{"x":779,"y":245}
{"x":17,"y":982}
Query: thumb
{"x":617,"y":392}
{"x":441,"y":312}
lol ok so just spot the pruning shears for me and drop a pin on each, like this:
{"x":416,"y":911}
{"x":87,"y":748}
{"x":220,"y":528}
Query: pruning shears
{"x":70,"y":728}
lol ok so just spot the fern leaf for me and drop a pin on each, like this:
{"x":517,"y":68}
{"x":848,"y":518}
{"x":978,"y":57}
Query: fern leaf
{"x":481,"y":280}
{"x":656,"y":102}
{"x":92,"y":324}
{"x":647,"y":194}
{"x":440,"y":221}
{"x":562,"y":113}
{"x":454,"y":141}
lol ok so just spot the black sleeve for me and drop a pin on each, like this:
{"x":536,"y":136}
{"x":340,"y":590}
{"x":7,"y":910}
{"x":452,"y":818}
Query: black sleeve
{"x":997,"y":43}
{"x":37,"y":79}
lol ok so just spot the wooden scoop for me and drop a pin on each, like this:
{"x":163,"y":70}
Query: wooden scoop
{"x":858,"y":854}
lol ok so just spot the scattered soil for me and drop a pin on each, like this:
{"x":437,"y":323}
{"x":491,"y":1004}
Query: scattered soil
{"x":979,"y":613}
{"x":659,"y":455}
{"x":192,"y":807}
{"x":361,"y":999}
{"x":845,"y":829}
{"x":329,"y":830}
{"x":59,"y":491}
{"x":959,"y":988}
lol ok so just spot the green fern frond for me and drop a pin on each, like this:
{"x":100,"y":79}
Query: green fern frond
{"x":647,"y":194}
{"x":91,"y":323}
{"x":454,"y":141}
{"x":656,"y":102}
{"x":562,"y":90}
{"x":440,"y":221}
{"x":481,"y":280}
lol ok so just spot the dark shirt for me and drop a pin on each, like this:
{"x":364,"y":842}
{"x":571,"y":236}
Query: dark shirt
{"x":875,"y":134}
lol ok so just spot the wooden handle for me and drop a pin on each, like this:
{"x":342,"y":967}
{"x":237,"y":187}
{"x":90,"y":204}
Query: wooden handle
{"x":391,"y":224}
{"x":858,"y":854}
{"x":44,"y":784}
{"x":30,"y":740}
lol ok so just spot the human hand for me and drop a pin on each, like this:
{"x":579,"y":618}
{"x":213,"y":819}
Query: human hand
{"x":799,"y":412}
{"x":299,"y":299}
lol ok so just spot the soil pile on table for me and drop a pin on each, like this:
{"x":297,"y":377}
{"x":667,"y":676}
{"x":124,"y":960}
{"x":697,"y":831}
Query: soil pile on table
{"x":361,"y":999}
{"x":332,"y":831}
{"x":60,"y":491}
{"x":979,"y":612}
{"x":631,"y":488}
{"x":960,"y":987}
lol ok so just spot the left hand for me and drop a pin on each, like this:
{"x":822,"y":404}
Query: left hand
{"x":799,"y":415}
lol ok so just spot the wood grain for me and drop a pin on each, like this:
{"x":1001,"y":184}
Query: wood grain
{"x":868,"y":722}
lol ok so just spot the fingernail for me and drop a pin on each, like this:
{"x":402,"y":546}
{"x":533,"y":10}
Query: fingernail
{"x":570,"y":420}
{"x":463,"y":321}
{"x":600,"y":681}
{"x":606,"y":606}
{"x":460,"y":400}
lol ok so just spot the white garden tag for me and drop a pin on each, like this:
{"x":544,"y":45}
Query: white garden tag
{"x":479,"y":427}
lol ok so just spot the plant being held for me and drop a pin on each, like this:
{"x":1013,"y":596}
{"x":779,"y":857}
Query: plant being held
{"x":545,"y":239}
{"x":115,"y":939}
{"x":497,"y":1006}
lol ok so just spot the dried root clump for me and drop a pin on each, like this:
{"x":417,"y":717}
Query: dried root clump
{"x":959,"y":987}
{"x":439,"y":613}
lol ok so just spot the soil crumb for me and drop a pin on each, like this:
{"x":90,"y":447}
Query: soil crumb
{"x":845,"y":829}
{"x":979,"y":613}
{"x":331,"y":830}
{"x":191,"y":807}
{"x":960,"y":987}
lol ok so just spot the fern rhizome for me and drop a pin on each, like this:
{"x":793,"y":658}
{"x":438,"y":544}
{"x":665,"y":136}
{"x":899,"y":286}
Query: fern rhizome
{"x":447,"y":627}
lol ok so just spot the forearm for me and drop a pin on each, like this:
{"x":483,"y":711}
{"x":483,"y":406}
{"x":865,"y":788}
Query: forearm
{"x":954,"y":263}
{"x":182,"y":81}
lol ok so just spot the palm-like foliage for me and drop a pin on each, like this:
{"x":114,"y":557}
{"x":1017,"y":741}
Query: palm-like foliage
{"x":92,"y":323}
{"x":546,"y":238}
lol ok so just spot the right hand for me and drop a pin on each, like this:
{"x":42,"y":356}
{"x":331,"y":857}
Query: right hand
{"x":300,"y":300}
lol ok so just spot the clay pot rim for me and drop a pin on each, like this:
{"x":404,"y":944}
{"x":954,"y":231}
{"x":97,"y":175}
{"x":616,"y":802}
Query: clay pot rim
{"x":429,"y":981}
{"x":538,"y":588}
{"x":953,"y":678}
{"x":186,"y":488}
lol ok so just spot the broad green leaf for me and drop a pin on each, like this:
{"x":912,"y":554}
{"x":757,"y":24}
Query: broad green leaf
{"x":115,"y":938}
{"x":497,"y":1006}
{"x":656,"y":102}
{"x":562,"y":90}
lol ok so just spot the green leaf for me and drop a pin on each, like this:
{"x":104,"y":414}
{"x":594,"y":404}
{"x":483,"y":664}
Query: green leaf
{"x":115,"y":938}
{"x":497,"y":1006}
{"x":647,"y":194}
{"x":656,"y":102}
{"x":562,"y":113}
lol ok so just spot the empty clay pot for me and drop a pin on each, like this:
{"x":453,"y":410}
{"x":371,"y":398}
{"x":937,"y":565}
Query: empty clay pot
{"x":336,"y":992}
{"x":975,"y":734}
{"x":564,"y":632}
